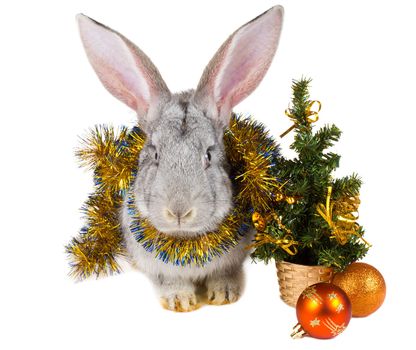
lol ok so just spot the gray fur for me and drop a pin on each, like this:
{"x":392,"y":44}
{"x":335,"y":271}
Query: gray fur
{"x":183,"y":186}
{"x":179,"y":178}
{"x":179,"y":181}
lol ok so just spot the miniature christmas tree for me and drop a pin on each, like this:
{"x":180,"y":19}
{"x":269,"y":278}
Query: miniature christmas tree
{"x":314,"y":221}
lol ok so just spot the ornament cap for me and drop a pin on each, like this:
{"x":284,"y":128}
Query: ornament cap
{"x":298,"y":332}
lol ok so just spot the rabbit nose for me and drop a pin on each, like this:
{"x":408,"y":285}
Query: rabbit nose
{"x":179,"y":215}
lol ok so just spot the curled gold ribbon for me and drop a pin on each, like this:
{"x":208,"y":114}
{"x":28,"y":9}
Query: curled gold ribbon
{"x":312,"y":116}
{"x":287,"y":243}
{"x":345,"y":224}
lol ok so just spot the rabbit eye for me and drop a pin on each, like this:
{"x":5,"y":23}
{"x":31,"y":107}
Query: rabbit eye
{"x":207,"y":159}
{"x":152,"y":149}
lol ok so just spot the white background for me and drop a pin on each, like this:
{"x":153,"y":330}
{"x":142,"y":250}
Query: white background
{"x":361,"y":57}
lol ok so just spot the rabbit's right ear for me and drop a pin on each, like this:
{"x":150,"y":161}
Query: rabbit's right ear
{"x":125,"y":71}
{"x":239,"y":65}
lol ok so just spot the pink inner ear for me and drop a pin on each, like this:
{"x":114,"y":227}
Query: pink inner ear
{"x":239,"y":82}
{"x":115,"y":63}
{"x":247,"y":59}
{"x":112,"y":80}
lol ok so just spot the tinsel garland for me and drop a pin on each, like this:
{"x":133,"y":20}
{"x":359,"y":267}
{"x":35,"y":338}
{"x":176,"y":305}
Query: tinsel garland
{"x":182,"y":251}
{"x":252,"y":154}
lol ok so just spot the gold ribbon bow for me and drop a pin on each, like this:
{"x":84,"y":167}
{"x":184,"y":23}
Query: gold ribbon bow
{"x":310,"y":117}
{"x":344,"y":224}
{"x":280,"y":196}
{"x":287,"y":243}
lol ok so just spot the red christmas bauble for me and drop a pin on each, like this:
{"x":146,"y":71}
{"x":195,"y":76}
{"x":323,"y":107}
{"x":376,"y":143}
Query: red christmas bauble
{"x":323,"y":311}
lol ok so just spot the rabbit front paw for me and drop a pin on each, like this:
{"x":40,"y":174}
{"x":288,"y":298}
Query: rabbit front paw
{"x":225,"y":289}
{"x":180,"y":301}
{"x":223,"y":296}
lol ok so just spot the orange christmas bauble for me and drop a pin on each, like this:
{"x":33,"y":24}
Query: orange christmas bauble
{"x":365,"y":287}
{"x":323,"y":311}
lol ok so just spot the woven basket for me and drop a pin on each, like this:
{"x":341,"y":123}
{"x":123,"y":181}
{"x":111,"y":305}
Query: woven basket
{"x":294,"y":278}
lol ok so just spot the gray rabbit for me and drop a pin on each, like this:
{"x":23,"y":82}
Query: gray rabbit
{"x":182,"y":186}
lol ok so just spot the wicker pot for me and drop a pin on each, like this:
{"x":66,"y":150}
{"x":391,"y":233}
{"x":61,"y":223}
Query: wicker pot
{"x":294,"y":278}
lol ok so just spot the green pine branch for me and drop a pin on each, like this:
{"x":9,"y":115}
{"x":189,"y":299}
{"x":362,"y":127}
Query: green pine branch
{"x":306,"y":178}
{"x":300,"y":101}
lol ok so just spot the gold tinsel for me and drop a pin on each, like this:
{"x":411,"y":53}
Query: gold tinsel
{"x":252,"y":151}
{"x":183,"y":251}
{"x":113,"y":157}
{"x":287,"y":242}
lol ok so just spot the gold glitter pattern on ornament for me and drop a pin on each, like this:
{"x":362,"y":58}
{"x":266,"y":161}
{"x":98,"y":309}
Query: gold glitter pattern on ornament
{"x":365,"y":287}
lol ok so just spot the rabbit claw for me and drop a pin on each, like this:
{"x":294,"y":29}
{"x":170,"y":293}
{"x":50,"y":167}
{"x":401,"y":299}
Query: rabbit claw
{"x":222,"y":296}
{"x":180,"y":302}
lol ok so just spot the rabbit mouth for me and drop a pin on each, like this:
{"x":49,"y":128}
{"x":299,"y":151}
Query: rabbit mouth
{"x":184,"y":220}
{"x":188,"y":228}
{"x":190,"y":222}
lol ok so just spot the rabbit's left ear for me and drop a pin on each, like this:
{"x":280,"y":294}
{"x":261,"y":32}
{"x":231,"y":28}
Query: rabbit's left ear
{"x":125,"y":70}
{"x":239,"y":65}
